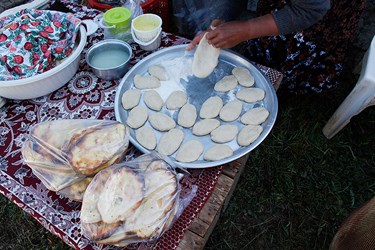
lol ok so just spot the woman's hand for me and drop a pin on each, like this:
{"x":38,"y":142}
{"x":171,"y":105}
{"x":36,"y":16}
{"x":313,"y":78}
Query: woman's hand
{"x":199,"y":37}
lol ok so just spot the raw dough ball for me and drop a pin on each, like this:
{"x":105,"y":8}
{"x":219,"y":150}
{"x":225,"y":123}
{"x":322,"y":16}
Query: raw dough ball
{"x":187,"y":116}
{"x":162,"y":122}
{"x":130,"y":98}
{"x":137,"y":117}
{"x":249,"y":134}
{"x":250,"y":94}
{"x":206,"y":57}
{"x":204,"y":127}
{"x":231,"y":111}
{"x":255,"y":116}
{"x":189,"y":151}
{"x":146,"y":137}
{"x":226,"y":84}
{"x":176,"y":100}
{"x":159,"y":72}
{"x":153,"y":100}
{"x":243,"y":76}
{"x":211,"y":107}
{"x":224,"y":133}
{"x":218,"y":152}
{"x":170,"y":141}
{"x":146,"y":82}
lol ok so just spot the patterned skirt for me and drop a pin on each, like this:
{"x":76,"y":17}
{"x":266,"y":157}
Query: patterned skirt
{"x":311,"y":60}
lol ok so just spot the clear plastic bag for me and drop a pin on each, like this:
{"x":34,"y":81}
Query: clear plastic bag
{"x":134,"y":6}
{"x":134,"y":201}
{"x":64,"y":154}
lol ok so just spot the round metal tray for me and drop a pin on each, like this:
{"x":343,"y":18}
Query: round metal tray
{"x":178,"y":63}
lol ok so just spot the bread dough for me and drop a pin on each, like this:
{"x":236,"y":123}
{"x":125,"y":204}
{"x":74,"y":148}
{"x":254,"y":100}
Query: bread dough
{"x":146,"y":82}
{"x":189,"y":151}
{"x":153,"y":100}
{"x":162,"y":122}
{"x":255,"y":116}
{"x":176,"y":100}
{"x":211,"y":107}
{"x":224,"y":133}
{"x":145,"y":135}
{"x":226,"y":84}
{"x":243,"y":76}
{"x":205,"y":126}
{"x":250,"y":94}
{"x":231,"y":111}
{"x":187,"y":116}
{"x":206,"y":57}
{"x":218,"y":152}
{"x":130,"y":98}
{"x":159,"y":72}
{"x":169,"y":142}
{"x":137,"y":117}
{"x":249,"y":134}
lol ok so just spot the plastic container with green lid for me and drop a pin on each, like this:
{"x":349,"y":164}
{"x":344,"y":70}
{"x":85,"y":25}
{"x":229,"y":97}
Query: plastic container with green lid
{"x":116,"y":24}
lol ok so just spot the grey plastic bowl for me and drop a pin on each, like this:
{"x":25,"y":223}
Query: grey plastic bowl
{"x":109,"y":59}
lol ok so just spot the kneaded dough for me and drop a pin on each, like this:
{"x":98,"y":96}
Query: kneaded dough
{"x":243,"y":76}
{"x":187,"y":116}
{"x":206,"y":57}
{"x":224,"y":133}
{"x":161,"y":122}
{"x":231,"y":111}
{"x":159,"y":72}
{"x":249,"y":134}
{"x":137,"y":117}
{"x":189,"y":151}
{"x":170,"y":141}
{"x":146,"y":82}
{"x":130,"y":98}
{"x":218,"y":152}
{"x":226,"y":84}
{"x":153,"y":100}
{"x":205,"y":126}
{"x":255,"y":116}
{"x":176,"y":100}
{"x":211,"y":107}
{"x":250,"y":94}
{"x":145,"y":135}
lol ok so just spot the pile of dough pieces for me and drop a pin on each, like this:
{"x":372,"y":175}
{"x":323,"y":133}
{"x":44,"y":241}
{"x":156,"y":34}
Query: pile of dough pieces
{"x":216,"y":119}
{"x":131,"y":203}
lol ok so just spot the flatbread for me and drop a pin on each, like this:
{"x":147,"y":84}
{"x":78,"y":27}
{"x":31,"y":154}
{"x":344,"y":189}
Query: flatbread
{"x":224,"y":133}
{"x":187,"y":116}
{"x":189,"y":151}
{"x":206,"y":58}
{"x":153,"y":100}
{"x":176,"y":100}
{"x":161,"y":122}
{"x":130,"y":98}
{"x":226,"y":84}
{"x":146,"y":82}
{"x":211,"y":107}
{"x":159,"y":72}
{"x":255,"y":116}
{"x":218,"y":152}
{"x":231,"y":111}
{"x":137,"y":117}
{"x":244,"y":77}
{"x":250,"y":94}
{"x":249,"y":134}
{"x":121,"y":195}
{"x":146,"y":136}
{"x":169,"y":142}
{"x":205,"y":126}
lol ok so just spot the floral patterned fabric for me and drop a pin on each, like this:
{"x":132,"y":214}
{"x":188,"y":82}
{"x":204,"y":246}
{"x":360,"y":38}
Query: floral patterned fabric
{"x":32,"y":41}
{"x":311,"y":60}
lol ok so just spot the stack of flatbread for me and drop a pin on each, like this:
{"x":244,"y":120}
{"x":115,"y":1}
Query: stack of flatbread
{"x":66,"y":154}
{"x":130,"y":203}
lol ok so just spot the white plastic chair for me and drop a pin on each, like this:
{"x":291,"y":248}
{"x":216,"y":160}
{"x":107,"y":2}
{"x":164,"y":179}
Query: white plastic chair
{"x":361,"y":97}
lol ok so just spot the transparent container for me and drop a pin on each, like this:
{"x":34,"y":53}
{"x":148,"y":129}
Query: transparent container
{"x":116,"y":24}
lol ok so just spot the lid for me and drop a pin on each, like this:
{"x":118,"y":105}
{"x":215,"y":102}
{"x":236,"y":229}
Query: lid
{"x":117,"y":16}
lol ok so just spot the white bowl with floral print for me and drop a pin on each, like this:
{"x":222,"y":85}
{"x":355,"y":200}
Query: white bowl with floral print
{"x":49,"y":81}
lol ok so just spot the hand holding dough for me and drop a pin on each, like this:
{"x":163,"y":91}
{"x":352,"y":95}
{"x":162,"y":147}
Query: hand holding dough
{"x":206,"y":57}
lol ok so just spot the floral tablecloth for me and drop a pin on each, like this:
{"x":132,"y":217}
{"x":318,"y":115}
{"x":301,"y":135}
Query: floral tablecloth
{"x":83,"y":97}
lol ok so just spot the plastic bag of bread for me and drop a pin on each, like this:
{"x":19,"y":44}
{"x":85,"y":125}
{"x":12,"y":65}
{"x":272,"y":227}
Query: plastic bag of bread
{"x":133,"y":202}
{"x":65,"y":154}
